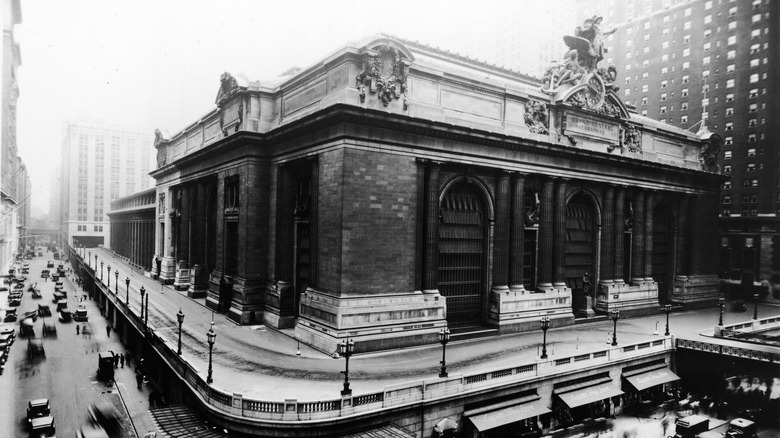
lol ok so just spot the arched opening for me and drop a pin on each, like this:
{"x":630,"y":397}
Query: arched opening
{"x":663,"y":250}
{"x":580,"y":250}
{"x":462,"y":254}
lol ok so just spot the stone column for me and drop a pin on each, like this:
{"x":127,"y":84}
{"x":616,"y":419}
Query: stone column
{"x":619,"y":228}
{"x":184,"y":224}
{"x":559,"y":238}
{"x":649,"y":201}
{"x":683,"y":238}
{"x":419,"y":234}
{"x":284,"y":227}
{"x":431,"y":274}
{"x":545,"y":241}
{"x":517,"y":233}
{"x":608,"y":237}
{"x":638,"y":239}
{"x":501,"y":235}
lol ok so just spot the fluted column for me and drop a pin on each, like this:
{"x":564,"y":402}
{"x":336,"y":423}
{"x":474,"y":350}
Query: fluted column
{"x":619,"y":229}
{"x":683,"y":238}
{"x":559,"y":238}
{"x":545,"y":241}
{"x":284,"y":227}
{"x":517,"y":232}
{"x":501,"y":234}
{"x":638,"y":239}
{"x":608,"y":236}
{"x":649,"y":201}
{"x":431,"y":275}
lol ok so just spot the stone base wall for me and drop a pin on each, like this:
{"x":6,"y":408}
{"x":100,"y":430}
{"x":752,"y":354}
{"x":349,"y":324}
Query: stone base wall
{"x":373,"y":322}
{"x":696,"y":290}
{"x":167,"y":273}
{"x":517,"y":310}
{"x":631,"y":299}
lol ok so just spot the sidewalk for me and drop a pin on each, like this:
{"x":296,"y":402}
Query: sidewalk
{"x":262,"y":363}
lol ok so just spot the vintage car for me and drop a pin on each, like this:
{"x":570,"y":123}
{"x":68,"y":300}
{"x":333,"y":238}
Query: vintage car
{"x":61,"y":304}
{"x":32,"y":314}
{"x":91,"y":431}
{"x":35,"y":348}
{"x":741,"y":428}
{"x":105,"y":369}
{"x":10,"y":315}
{"x":6,"y":341}
{"x":58,"y":296}
{"x":44,"y":310}
{"x":14,"y":301}
{"x":27,"y":328}
{"x":50,"y":264}
{"x":80,"y":314}
{"x":38,"y":408}
{"x":8,"y":330}
{"x":42,"y":427}
{"x":105,"y":415}
{"x":45,"y":273}
{"x":65,"y":315}
{"x":691,"y":426}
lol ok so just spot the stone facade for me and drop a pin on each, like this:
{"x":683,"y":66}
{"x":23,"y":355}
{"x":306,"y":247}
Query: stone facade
{"x":393,"y":189}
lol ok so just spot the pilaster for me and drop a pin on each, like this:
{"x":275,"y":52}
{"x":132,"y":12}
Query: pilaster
{"x":559,"y":238}
{"x":517,"y":234}
{"x":638,"y":239}
{"x":545,"y":241}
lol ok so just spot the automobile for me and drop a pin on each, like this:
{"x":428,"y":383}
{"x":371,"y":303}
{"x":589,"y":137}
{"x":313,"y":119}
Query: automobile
{"x":32,"y":314}
{"x":50,"y":264}
{"x":42,"y":427}
{"x":105,"y":415}
{"x":15,"y":294}
{"x":25,"y":270}
{"x":8,"y":330}
{"x":38,"y":408}
{"x":65,"y":315}
{"x":49,"y":329}
{"x":37,"y":294}
{"x":14,"y":301}
{"x":58,"y":286}
{"x":3,"y":359}
{"x":57,"y":297}
{"x":32,"y":287}
{"x":6,"y":341}
{"x":752,"y":414}
{"x":741,"y":428}
{"x":61,"y":304}
{"x":10,"y":315}
{"x":40,"y":254}
{"x":44,"y":310}
{"x":80,"y":314}
{"x":55,"y":277}
{"x":18,"y":286}
{"x":26,"y":328}
{"x":45,"y":273}
{"x":35,"y":348}
{"x":91,"y":431}
{"x":691,"y":426}
{"x":3,"y":289}
{"x":105,"y":369}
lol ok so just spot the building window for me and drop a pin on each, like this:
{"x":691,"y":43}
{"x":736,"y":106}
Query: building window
{"x":663,"y":110}
{"x":754,"y":78}
{"x":687,"y":24}
{"x":729,"y":83}
{"x":687,"y":12}
{"x":727,"y":185}
{"x":628,"y":67}
{"x":733,"y":11}
{"x":751,"y":139}
{"x":705,"y":61}
{"x":728,"y":141}
{"x":663,"y":97}
{"x":665,"y":45}
{"x":646,"y":50}
{"x":755,"y":48}
{"x":686,"y":65}
{"x":664,"y":70}
{"x":727,"y":169}
{"x":684,"y":119}
{"x":751,"y":152}
{"x":729,"y":111}
{"x":644,"y":101}
{"x":707,"y":46}
{"x":684,"y":106}
{"x":753,"y":108}
{"x":707,"y":20}
{"x":751,"y":167}
{"x":685,"y":79}
{"x":644,"y":88}
{"x":752,"y":123}
{"x":731,"y":54}
{"x":730,"y":97}
{"x":627,"y":92}
{"x":731,"y":40}
{"x":755,"y":33}
{"x":729,"y":126}
{"x":727,"y":155}
{"x":686,"y":52}
{"x":644,"y":113}
{"x":707,"y":33}
{"x":684,"y":92}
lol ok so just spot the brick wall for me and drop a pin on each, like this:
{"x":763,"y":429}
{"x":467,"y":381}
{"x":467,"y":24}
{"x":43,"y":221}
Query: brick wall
{"x":329,"y":213}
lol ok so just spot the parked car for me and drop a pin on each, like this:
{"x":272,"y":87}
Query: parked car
{"x":57,"y":297}
{"x":38,"y":408}
{"x":14,"y":301}
{"x":50,"y":264}
{"x":65,"y":315}
{"x":80,"y":314}
{"x":691,"y":426}
{"x":5,"y":342}
{"x":10,"y":315}
{"x":44,"y":310}
{"x":105,"y":369}
{"x":42,"y":427}
{"x":61,"y":304}
{"x":35,"y":348}
{"x":741,"y":428}
{"x":17,"y":294}
{"x":8,"y":330}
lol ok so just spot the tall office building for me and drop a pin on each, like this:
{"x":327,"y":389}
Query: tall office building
{"x":100,"y":163}
{"x":712,"y":64}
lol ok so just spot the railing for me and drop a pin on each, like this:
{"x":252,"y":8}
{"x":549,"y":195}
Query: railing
{"x":746,"y":353}
{"x":390,"y":396}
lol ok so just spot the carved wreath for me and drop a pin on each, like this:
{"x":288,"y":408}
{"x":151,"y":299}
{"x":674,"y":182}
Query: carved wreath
{"x":536,"y":117}
{"x":384,"y":74}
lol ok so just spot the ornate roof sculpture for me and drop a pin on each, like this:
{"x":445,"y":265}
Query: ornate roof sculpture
{"x":385,"y":71}
{"x":578,"y":80}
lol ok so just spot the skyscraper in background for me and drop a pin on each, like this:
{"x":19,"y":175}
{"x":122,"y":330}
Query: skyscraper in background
{"x":100,"y":163}
{"x":712,"y":64}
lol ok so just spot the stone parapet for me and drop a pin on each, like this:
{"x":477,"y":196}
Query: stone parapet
{"x":633,"y":298}
{"x":167,"y":274}
{"x":513,"y":310}
{"x":696,"y":289}
{"x":373,"y":322}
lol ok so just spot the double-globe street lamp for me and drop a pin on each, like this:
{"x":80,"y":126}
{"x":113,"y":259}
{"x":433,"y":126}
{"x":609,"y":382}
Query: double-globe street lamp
{"x":212,"y":337}
{"x":116,"y":282}
{"x":721,"y":304}
{"x":755,"y":306}
{"x":89,"y":258}
{"x":109,"y":274}
{"x":346,"y":350}
{"x":444,"y":338}
{"x":95,"y":268}
{"x":667,"y":309}
{"x":127,"y":293}
{"x":545,"y":324}
{"x":180,"y":318}
{"x":143,"y":292}
{"x":615,"y":317}
{"x":101,"y":267}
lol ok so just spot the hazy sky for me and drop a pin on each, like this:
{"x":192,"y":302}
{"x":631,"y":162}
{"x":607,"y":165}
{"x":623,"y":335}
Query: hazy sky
{"x":156,"y":64}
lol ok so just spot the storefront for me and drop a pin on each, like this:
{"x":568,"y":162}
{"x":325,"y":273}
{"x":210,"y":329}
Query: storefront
{"x":648,"y":385}
{"x":587,"y":400}
{"x":523,"y":417}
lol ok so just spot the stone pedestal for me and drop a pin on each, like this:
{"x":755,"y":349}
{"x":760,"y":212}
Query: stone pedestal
{"x":635,"y":299}
{"x":199,"y":282}
{"x":279,"y":305}
{"x":514,"y":311}
{"x":181,"y":280}
{"x":696,"y":290}
{"x":167,"y":273}
{"x":374,"y":323}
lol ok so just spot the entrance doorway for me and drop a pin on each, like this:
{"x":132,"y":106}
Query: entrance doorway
{"x":580,"y":250}
{"x":663,"y":228}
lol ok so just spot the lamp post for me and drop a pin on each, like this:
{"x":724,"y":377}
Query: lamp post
{"x":180,"y":318}
{"x":127,"y":293}
{"x":755,"y":306}
{"x":721,"y":304}
{"x":346,"y":349}
{"x":116,"y":282}
{"x":101,"y":268}
{"x":545,"y":324}
{"x":109,"y":274}
{"x":667,"y":309}
{"x":95,"y":268}
{"x":615,"y":317}
{"x":143,"y":292}
{"x":89,"y":258}
{"x":212,"y":337}
{"x":444,"y":338}
{"x":146,"y":313}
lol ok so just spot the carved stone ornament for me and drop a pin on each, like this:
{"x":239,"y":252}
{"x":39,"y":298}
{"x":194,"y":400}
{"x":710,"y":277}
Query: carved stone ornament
{"x":161,"y":204}
{"x":709,"y":153}
{"x":536,"y":118}
{"x":631,"y":139}
{"x":385,"y":74}
{"x":228,"y":88}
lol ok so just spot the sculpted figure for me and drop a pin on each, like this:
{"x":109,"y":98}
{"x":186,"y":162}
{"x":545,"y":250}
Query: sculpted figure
{"x":588,"y":41}
{"x":572,"y":71}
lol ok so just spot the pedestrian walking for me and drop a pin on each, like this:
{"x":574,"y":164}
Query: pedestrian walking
{"x":122,"y":360}
{"x":108,"y":331}
{"x":78,"y":327}
{"x":127,"y":358}
{"x":116,"y":361}
{"x":139,"y":379}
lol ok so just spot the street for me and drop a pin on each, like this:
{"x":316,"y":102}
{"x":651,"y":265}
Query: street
{"x":67,"y":374}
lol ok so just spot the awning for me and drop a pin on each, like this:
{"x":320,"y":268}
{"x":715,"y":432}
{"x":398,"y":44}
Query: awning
{"x":498,"y":415}
{"x":589,"y":395}
{"x":652,"y":378}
